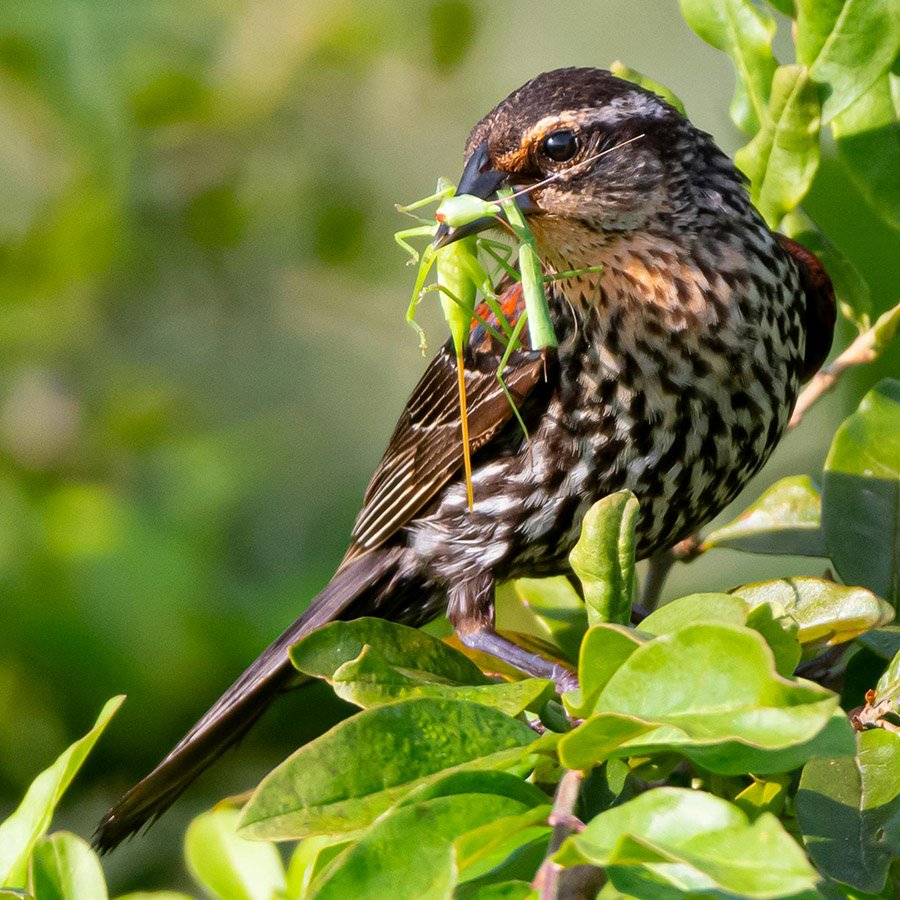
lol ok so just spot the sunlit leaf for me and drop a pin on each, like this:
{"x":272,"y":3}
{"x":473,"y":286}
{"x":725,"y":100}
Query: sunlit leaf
{"x":603,"y":558}
{"x":769,"y":619}
{"x":784,"y":520}
{"x":479,"y":851}
{"x":764,"y":795}
{"x":598,"y":738}
{"x":847,"y":45}
{"x":826,"y":613}
{"x":747,"y":718}
{"x":620,"y":70}
{"x":744,"y":31}
{"x":322,"y":787}
{"x":370,"y":681}
{"x":782,"y":158}
{"x":21,"y":831}
{"x":558,"y":609}
{"x":692,"y":841}
{"x":861,"y":494}
{"x":412,"y":846}
{"x":227,"y":865}
{"x":63,"y":867}
{"x":604,"y":649}
{"x":848,"y":810}
{"x":868,"y":140}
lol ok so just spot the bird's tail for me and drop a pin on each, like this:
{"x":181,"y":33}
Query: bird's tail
{"x":241,"y":705}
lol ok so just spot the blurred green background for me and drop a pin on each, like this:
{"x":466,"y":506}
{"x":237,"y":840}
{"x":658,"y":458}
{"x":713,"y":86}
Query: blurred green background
{"x":203,"y":346}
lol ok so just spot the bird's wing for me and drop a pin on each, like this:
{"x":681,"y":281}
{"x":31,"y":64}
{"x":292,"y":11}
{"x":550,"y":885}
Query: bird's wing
{"x":425,"y":451}
{"x":821,"y":308}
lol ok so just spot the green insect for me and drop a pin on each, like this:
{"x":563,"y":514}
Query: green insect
{"x":461,"y":277}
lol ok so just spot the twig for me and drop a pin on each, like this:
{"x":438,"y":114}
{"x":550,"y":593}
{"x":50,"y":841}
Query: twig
{"x":549,"y":881}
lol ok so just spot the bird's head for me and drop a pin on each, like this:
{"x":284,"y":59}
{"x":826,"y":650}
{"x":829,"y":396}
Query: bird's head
{"x":603,"y":156}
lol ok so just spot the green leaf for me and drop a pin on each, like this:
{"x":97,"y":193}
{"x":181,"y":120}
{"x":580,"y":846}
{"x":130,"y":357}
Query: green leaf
{"x":826,"y":613}
{"x":63,"y":867}
{"x":847,"y":46}
{"x":502,"y":890}
{"x":21,"y":831}
{"x":598,"y":738}
{"x":852,"y":290}
{"x":228,"y":866}
{"x":155,"y":895}
{"x":861,"y":494}
{"x":769,"y":619}
{"x":412,"y":846}
{"x":557,"y":608}
{"x":716,"y":697}
{"x":868,"y":140}
{"x":848,"y":810}
{"x":481,"y":850}
{"x":883,"y":642}
{"x":322,"y":652}
{"x":889,"y":683}
{"x":782,"y":158}
{"x":452,"y":28}
{"x":764,"y":795}
{"x":604,"y":648}
{"x":369,"y":681}
{"x":743,"y":31}
{"x":692,"y":841}
{"x":309,"y":859}
{"x":626,"y":73}
{"x":784,"y":520}
{"x":603,"y":558}
{"x":323,"y":788}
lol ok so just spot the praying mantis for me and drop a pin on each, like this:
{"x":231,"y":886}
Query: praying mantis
{"x":461,"y":277}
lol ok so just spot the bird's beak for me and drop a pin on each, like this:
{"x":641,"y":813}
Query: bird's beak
{"x":480,"y":179}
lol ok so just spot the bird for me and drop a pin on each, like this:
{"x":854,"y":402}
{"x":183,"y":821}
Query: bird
{"x":675,"y":376}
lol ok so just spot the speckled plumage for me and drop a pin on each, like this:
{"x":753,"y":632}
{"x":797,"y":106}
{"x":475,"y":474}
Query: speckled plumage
{"x":675,"y":376}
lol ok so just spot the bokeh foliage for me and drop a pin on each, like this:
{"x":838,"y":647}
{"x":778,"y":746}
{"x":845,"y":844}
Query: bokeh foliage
{"x":202,"y":318}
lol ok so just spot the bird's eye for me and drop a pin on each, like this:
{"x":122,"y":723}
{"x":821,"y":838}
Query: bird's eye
{"x":560,"y":146}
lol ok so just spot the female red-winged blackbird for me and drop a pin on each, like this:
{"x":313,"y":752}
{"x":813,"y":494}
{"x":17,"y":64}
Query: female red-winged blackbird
{"x":675,"y":376}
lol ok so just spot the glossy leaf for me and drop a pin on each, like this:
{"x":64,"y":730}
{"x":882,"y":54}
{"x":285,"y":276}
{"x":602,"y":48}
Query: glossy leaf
{"x":769,"y":619}
{"x":63,"y":867}
{"x":604,"y":648}
{"x":558,"y":609}
{"x":322,"y":652}
{"x":692,"y":841}
{"x":782,"y":158}
{"x":868,"y":140}
{"x":21,"y":831}
{"x":227,"y":865}
{"x":309,"y":860}
{"x":603,"y":558}
{"x":764,"y":795}
{"x":322,"y":787}
{"x":826,"y":613}
{"x":848,"y":810}
{"x":598,"y":738}
{"x":369,"y":681}
{"x":747,"y":718}
{"x":889,"y":683}
{"x":502,"y":890}
{"x":479,"y":851}
{"x":785,"y":520}
{"x":412,"y":846}
{"x":847,"y":46}
{"x":620,"y":70}
{"x":861,"y":494}
{"x":744,"y":31}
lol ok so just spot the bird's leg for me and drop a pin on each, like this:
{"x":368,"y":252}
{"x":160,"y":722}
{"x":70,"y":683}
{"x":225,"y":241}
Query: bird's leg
{"x":471,"y":612}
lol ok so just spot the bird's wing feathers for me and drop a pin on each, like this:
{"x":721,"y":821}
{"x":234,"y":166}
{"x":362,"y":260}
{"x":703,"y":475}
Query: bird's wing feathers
{"x":821,"y":307}
{"x":425,"y":451}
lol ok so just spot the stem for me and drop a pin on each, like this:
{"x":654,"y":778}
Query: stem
{"x":552,"y":881}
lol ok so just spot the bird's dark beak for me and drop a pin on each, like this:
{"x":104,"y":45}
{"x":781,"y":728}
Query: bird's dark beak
{"x":480,"y":179}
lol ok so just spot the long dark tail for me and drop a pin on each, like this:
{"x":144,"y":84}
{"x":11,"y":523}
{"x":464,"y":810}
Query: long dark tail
{"x":241,"y":705}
